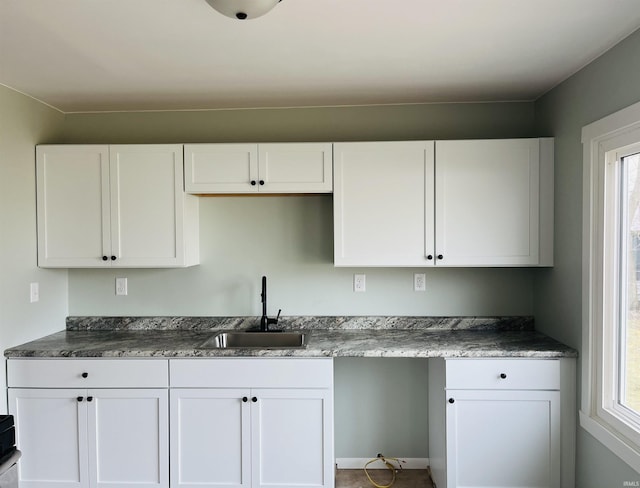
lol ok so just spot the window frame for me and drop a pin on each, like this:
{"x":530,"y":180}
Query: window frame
{"x":609,"y":380}
{"x":604,"y":142}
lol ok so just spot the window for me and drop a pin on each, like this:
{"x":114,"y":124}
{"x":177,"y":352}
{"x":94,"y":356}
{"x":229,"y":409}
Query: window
{"x":617,"y":388}
{"x":628,"y":362}
{"x":610,"y":407}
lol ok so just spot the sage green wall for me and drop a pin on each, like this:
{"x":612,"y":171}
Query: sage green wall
{"x":381,"y":404}
{"x":610,"y":83}
{"x":374,"y":123}
{"x":290,"y":239}
{"x":24,"y":123}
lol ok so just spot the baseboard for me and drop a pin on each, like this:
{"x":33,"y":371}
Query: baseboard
{"x":358,"y":463}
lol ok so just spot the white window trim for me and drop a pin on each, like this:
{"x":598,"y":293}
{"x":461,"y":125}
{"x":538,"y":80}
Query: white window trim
{"x":599,"y":138}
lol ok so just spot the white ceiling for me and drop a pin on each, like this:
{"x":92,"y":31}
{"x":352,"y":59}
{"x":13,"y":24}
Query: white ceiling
{"x":103,"y":55}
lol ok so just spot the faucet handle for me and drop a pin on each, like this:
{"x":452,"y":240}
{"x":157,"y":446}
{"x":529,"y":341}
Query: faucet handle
{"x":271,"y":321}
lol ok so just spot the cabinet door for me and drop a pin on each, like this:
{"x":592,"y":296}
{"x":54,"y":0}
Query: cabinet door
{"x":292,"y":438}
{"x":73,"y":206}
{"x":503,"y":438}
{"x":487,"y":202}
{"x":52,"y":435}
{"x":147,"y":205}
{"x":210,"y":438}
{"x":221,"y":168}
{"x":383,"y":204}
{"x":128,"y":438}
{"x":295,"y":168}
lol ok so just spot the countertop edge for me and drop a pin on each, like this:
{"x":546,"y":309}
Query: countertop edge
{"x":395,"y":343}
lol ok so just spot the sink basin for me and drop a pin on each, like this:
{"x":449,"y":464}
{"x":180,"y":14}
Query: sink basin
{"x":260,"y":340}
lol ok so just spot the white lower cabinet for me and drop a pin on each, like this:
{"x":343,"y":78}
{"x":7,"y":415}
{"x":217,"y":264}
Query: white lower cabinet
{"x":211,"y":438}
{"x":51,"y":431}
{"x":503,"y":438}
{"x":264,"y":433}
{"x":498,"y":423}
{"x":128,"y":438}
{"x":292,"y":438}
{"x":89,"y":437}
{"x":268,"y":422}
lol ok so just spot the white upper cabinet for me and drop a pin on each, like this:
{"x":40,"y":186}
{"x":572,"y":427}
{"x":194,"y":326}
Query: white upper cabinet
{"x":221,"y":168}
{"x":73,"y":205}
{"x":296,"y":167}
{"x":448,"y":203}
{"x":148,"y":206}
{"x":488,"y":202}
{"x":114,"y":206}
{"x":264,"y":168}
{"x":383,"y":203}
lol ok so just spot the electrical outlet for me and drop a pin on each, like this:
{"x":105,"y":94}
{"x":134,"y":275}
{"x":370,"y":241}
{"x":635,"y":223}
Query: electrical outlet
{"x":34,"y":292}
{"x":121,"y":286}
{"x":359,"y":282}
{"x":419,"y":282}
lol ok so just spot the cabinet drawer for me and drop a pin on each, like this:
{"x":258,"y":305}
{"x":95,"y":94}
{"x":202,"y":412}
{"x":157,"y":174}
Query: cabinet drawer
{"x":503,"y":374}
{"x":251,"y":373}
{"x":87,"y":373}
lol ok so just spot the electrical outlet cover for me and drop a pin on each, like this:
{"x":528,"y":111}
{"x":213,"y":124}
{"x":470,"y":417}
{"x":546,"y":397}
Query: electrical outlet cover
{"x":359,"y":283}
{"x":419,"y":282}
{"x":121,"y":286}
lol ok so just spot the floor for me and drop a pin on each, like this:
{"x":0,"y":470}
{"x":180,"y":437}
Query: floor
{"x":407,"y":478}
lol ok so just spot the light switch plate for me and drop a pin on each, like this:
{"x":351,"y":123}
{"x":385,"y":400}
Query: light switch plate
{"x":34,"y":292}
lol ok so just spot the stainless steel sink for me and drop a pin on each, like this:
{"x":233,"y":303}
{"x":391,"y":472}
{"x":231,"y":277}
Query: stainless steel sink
{"x":259,"y":340}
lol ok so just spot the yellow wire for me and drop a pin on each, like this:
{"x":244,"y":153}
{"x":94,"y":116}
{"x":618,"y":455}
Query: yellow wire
{"x":389,"y":466}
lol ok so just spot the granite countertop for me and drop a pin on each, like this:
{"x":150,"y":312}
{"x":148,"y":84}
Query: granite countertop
{"x":419,"y":337}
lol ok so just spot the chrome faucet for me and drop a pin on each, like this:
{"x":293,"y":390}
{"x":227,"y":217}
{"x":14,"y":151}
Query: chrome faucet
{"x":265,"y":321}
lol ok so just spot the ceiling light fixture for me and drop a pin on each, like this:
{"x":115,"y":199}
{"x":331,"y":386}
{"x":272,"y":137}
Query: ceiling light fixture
{"x":243,"y":9}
